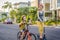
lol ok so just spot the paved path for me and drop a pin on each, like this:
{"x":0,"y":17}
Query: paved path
{"x":9,"y":32}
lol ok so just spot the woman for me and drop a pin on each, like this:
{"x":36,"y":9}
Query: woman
{"x":40,"y":20}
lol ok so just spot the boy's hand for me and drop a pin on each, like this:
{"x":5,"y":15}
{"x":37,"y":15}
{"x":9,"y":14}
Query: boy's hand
{"x":20,"y":24}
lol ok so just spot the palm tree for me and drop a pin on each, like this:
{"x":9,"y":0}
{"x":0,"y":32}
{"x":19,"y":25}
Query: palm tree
{"x":13,"y":14}
{"x":4,"y":6}
{"x":7,"y":5}
{"x":4,"y":16}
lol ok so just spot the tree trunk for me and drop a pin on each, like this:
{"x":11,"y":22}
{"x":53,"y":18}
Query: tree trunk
{"x":14,"y":19}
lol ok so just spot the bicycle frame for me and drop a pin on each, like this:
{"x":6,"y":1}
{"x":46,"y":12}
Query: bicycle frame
{"x":27,"y":30}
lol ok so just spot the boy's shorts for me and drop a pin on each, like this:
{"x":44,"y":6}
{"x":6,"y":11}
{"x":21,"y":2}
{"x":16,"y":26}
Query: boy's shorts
{"x":22,"y":30}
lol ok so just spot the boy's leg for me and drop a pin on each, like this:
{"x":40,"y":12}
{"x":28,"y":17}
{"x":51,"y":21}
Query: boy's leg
{"x":22,"y":35}
{"x":29,"y":36}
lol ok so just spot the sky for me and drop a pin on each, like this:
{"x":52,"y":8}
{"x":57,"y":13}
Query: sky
{"x":12,"y":1}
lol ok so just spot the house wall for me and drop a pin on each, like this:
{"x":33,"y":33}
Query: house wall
{"x":34,"y":3}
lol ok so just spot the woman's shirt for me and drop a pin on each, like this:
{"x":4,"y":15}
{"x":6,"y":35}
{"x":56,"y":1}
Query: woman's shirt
{"x":40,"y":16}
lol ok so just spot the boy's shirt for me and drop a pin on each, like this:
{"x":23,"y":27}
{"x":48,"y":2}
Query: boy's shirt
{"x":22,"y":25}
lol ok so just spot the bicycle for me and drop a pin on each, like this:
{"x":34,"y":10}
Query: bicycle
{"x":26,"y":35}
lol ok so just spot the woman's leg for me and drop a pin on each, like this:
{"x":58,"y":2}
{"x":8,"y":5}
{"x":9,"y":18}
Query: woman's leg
{"x":41,"y":28}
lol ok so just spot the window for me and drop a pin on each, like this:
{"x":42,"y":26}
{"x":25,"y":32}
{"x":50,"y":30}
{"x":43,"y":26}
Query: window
{"x":46,"y":1}
{"x":58,"y":3}
{"x":47,"y":7}
{"x":48,"y":14}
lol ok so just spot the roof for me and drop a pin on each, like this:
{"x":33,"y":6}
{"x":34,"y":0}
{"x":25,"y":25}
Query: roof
{"x":21,"y":3}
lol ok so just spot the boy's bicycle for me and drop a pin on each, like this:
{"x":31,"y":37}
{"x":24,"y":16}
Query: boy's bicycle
{"x":26,"y":35}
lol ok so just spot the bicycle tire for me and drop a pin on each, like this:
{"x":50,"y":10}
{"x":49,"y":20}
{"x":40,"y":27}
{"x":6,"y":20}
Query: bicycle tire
{"x":32,"y":36}
{"x":18,"y":35}
{"x":26,"y":37}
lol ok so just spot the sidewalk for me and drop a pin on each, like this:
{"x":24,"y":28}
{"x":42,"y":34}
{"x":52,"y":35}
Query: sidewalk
{"x":48,"y":26}
{"x":1,"y":22}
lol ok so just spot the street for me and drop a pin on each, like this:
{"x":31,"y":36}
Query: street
{"x":52,"y":33}
{"x":9,"y":32}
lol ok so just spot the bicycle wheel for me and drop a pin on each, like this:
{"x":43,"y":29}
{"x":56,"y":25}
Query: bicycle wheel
{"x":33,"y":37}
{"x":18,"y":35}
